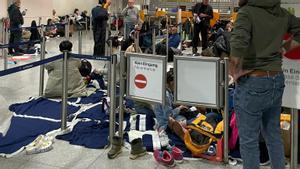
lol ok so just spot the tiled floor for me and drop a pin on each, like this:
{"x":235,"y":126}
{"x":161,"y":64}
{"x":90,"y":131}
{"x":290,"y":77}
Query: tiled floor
{"x":19,"y":87}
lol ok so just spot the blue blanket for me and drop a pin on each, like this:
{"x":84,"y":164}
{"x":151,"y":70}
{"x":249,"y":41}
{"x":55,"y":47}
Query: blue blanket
{"x":23,"y":131}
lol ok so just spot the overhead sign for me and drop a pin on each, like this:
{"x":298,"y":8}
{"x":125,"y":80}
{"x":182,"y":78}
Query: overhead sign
{"x":146,"y":77}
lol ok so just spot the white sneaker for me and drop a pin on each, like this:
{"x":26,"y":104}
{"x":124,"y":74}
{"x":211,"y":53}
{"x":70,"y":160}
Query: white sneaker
{"x":163,"y":138}
{"x":39,"y":145}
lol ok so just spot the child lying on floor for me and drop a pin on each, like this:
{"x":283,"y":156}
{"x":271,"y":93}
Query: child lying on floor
{"x":163,"y":113}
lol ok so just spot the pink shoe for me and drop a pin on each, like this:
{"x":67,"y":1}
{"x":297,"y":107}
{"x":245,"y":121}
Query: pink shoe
{"x":177,"y":154}
{"x":164,"y":158}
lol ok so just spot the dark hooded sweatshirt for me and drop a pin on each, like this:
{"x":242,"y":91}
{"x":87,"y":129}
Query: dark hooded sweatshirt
{"x":15,"y":16}
{"x":258,"y":34}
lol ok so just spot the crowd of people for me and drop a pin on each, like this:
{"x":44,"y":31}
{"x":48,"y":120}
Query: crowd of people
{"x":254,"y":48}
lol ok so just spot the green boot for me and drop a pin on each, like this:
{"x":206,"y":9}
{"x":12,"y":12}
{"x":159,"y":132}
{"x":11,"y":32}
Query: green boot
{"x":137,"y":149}
{"x":116,"y":148}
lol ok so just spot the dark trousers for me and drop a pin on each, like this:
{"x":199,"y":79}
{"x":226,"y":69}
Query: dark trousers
{"x":99,"y":40}
{"x":203,"y":28}
{"x":161,"y":49}
{"x":15,"y":37}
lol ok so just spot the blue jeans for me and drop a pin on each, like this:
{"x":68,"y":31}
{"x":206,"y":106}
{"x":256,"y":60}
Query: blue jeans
{"x":129,"y":26}
{"x":257,"y":103}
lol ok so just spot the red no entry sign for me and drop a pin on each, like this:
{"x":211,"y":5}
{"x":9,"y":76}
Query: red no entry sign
{"x":140,"y":81}
{"x":293,"y":54}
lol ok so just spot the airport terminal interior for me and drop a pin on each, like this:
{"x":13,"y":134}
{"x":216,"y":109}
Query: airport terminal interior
{"x":64,"y":65}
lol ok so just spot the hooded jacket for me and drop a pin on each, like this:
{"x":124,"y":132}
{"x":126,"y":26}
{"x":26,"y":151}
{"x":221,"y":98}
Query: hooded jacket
{"x":258,"y":34}
{"x":15,"y":16}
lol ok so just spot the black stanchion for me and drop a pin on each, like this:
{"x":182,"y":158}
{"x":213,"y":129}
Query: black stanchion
{"x":42,"y":67}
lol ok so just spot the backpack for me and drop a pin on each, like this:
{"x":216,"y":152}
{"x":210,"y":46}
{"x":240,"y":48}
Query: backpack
{"x":202,"y":132}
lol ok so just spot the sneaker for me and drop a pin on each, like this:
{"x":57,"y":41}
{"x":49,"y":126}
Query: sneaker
{"x":137,"y":149}
{"x":211,"y":151}
{"x":177,"y":154}
{"x":163,"y":138}
{"x":195,"y":50}
{"x":164,"y":158}
{"x":40,"y":145}
{"x":116,"y":148}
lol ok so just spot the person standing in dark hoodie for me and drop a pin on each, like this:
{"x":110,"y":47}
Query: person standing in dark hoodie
{"x":203,"y":13}
{"x":99,"y":19}
{"x":255,"y":65}
{"x":16,"y":22}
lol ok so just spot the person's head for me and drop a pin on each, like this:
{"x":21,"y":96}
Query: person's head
{"x":76,"y":11}
{"x":33,"y":24}
{"x":85,"y":68}
{"x":173,"y":29}
{"x":65,"y":46}
{"x":242,"y":3}
{"x":53,"y":12}
{"x":101,"y":2}
{"x":170,"y":79}
{"x":17,"y":3}
{"x":205,"y":2}
{"x":49,"y":21}
{"x":131,"y":3}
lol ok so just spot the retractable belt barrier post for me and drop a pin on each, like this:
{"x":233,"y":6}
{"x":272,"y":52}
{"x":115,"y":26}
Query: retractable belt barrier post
{"x":86,"y":25}
{"x":80,"y":42}
{"x":40,"y":21}
{"x":42,"y":57}
{"x":67,"y":29}
{"x":167,"y":38}
{"x":5,"y":41}
{"x":226,"y":110}
{"x":64,"y":91}
{"x":112,"y":114}
{"x":137,"y":41}
{"x":122,"y":92}
{"x":154,"y":41}
{"x":294,"y":138}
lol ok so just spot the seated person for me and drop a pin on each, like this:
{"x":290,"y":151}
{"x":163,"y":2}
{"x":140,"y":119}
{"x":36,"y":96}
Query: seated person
{"x":35,"y":34}
{"x":51,"y":30}
{"x":174,"y":41}
{"x":76,"y":84}
{"x":163,"y":113}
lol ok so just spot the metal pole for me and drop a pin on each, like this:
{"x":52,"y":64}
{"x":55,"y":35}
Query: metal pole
{"x":153,"y":42}
{"x":79,"y":42}
{"x":167,"y":39}
{"x":42,"y":67}
{"x":64,"y":111}
{"x":122,"y":92}
{"x":117,"y":24}
{"x":40,"y":21}
{"x":137,"y":41}
{"x":4,"y":52}
{"x":86,"y":24}
{"x":3,"y":39}
{"x":294,"y":138}
{"x":67,"y":29}
{"x":226,"y":110}
{"x":112,"y":115}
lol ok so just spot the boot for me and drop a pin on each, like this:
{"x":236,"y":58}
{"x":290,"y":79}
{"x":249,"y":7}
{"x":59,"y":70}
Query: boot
{"x":137,"y":149}
{"x":116,"y":148}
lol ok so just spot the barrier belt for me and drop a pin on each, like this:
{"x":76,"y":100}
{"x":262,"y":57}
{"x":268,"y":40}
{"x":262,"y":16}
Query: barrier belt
{"x":29,"y":66}
{"x":102,"y":58}
{"x":18,"y":44}
{"x":57,"y":24}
